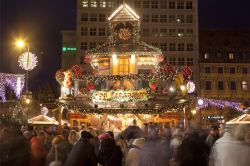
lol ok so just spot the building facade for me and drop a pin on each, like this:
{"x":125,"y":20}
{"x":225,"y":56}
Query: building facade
{"x":169,"y":25}
{"x":224,"y":65}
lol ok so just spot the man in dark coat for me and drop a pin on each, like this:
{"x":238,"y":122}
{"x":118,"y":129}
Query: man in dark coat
{"x":83,"y":152}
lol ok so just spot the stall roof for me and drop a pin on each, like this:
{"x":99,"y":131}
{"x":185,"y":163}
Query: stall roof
{"x":42,"y":119}
{"x":243,"y":119}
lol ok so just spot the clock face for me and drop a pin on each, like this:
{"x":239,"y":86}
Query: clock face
{"x":124,"y":34}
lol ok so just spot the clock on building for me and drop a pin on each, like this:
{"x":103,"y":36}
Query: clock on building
{"x":124,"y":34}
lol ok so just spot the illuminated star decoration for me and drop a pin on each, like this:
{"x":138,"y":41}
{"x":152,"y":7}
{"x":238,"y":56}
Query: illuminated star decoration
{"x":190,"y":87}
{"x":27,"y":61}
{"x":14,"y":81}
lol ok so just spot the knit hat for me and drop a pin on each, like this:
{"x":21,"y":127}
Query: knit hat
{"x":86,"y":135}
{"x":103,"y":136}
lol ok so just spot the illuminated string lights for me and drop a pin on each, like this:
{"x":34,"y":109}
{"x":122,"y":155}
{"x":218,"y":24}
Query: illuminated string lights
{"x":27,"y":61}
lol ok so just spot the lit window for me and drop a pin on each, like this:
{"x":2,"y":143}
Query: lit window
{"x":137,"y":4}
{"x":163,"y":18}
{"x":232,"y":85}
{"x":190,"y":61}
{"x":232,"y":70}
{"x":145,"y":18}
{"x":171,"y":5}
{"x":189,"y":19}
{"x":180,"y":5}
{"x":220,"y":85}
{"x":180,"y":46}
{"x":154,"y":18}
{"x":110,"y":3}
{"x":244,"y":85}
{"x":93,"y":3}
{"x":154,"y":4}
{"x":190,"y":47}
{"x":102,"y":32}
{"x":231,"y":55}
{"x":85,"y":3}
{"x":207,"y":69}
{"x":208,"y":85}
{"x":145,"y":4}
{"x":206,"y":55}
{"x":172,"y":61}
{"x":102,"y":17}
{"x":220,"y":70}
{"x":163,"y":46}
{"x":92,"y":32}
{"x":123,"y":66}
{"x":181,"y":61}
{"x":189,"y":5}
{"x":180,"y":32}
{"x":103,"y":3}
{"x":244,"y":70}
{"x":172,"y":47}
{"x":92,"y":45}
{"x":84,"y":31}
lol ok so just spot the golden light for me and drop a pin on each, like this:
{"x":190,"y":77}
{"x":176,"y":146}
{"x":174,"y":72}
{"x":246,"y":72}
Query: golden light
{"x":172,"y":89}
{"x":27,"y":101}
{"x":132,"y":59}
{"x":20,"y":43}
{"x":193,"y":112}
{"x":183,"y":87}
{"x":115,"y":60}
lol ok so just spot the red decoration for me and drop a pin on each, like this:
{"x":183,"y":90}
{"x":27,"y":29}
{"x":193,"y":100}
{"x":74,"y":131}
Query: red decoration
{"x":77,"y":71}
{"x":187,"y":72}
{"x":87,"y":59}
{"x":153,"y":86}
{"x":168,"y":69}
{"x":161,"y":58}
{"x":59,"y":76}
{"x":91,"y":86}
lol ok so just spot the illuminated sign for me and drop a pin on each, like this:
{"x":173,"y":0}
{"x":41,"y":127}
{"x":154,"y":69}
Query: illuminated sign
{"x":119,"y":95}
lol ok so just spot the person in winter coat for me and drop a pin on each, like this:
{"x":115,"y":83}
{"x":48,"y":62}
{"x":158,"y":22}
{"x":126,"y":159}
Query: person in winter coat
{"x":83,"y":152}
{"x":134,"y":155}
{"x":213,"y":136}
{"x":109,"y":154}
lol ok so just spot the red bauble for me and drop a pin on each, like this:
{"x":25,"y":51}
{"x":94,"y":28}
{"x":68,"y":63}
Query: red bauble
{"x":168,"y":69}
{"x":153,"y":86}
{"x":91,"y":86}
{"x":87,"y":59}
{"x":76,"y":70}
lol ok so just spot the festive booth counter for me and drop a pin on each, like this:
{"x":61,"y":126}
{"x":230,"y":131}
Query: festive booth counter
{"x":126,"y":75}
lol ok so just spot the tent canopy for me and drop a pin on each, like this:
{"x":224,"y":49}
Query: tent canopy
{"x":243,"y":119}
{"x":43,"y":119}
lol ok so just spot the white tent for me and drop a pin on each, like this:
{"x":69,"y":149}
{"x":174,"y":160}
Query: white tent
{"x":243,"y":119}
{"x":43,"y":120}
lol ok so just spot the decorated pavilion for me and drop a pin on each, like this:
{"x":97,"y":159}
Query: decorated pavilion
{"x":125,"y":77}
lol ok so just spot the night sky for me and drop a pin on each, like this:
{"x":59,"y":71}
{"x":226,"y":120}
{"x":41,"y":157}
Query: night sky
{"x":40,"y":23}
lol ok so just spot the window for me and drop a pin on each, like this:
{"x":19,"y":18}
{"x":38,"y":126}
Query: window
{"x":180,"y":5}
{"x":172,"y":32}
{"x":123,"y":66}
{"x":206,"y":55}
{"x":84,"y":17}
{"x":163,"y":18}
{"x":181,"y":61}
{"x":93,"y":3}
{"x":232,"y":70}
{"x":163,"y":32}
{"x":92,"y":45}
{"x":189,"y":32}
{"x":220,"y":70}
{"x":92,"y":32}
{"x":207,"y":70}
{"x":163,"y":46}
{"x":82,"y":60}
{"x":84,"y":31}
{"x":155,"y":32}
{"x":102,"y":17}
{"x":171,"y":5}
{"x":233,"y":85}
{"x":172,"y":18}
{"x":208,"y":85}
{"x":163,"y":4}
{"x":172,"y":47}
{"x":190,"y":47}
{"x":180,"y":32}
{"x":220,"y":85}
{"x":189,"y":5}
{"x":103,"y":3}
{"x":145,"y":4}
{"x":190,"y":61}
{"x":145,"y":18}
{"x":244,"y":85}
{"x":102,"y":32}
{"x":154,"y":18}
{"x":137,"y":4}
{"x":244,"y":70}
{"x":154,"y":4}
{"x":180,"y":46}
{"x":84,"y":45}
{"x":189,"y":19}
{"x":231,"y":55}
{"x":85,"y":3}
{"x":145,"y":32}
{"x":172,"y":61}
{"x":93,"y":17}
{"x":111,"y":3}
{"x":154,"y":44}
{"x":180,"y":19}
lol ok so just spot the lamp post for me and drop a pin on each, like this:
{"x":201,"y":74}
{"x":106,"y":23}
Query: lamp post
{"x":200,"y":103}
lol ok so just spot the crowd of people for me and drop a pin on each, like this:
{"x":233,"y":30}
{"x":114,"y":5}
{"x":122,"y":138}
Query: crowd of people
{"x":148,"y":145}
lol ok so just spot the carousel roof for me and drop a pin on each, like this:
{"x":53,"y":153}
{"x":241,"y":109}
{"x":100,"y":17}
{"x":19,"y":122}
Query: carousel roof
{"x":42,"y":119}
{"x":243,"y":119}
{"x":124,"y":13}
{"x":140,"y":48}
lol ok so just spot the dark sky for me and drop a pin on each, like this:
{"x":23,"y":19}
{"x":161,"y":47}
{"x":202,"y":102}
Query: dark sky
{"x":40,"y":22}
